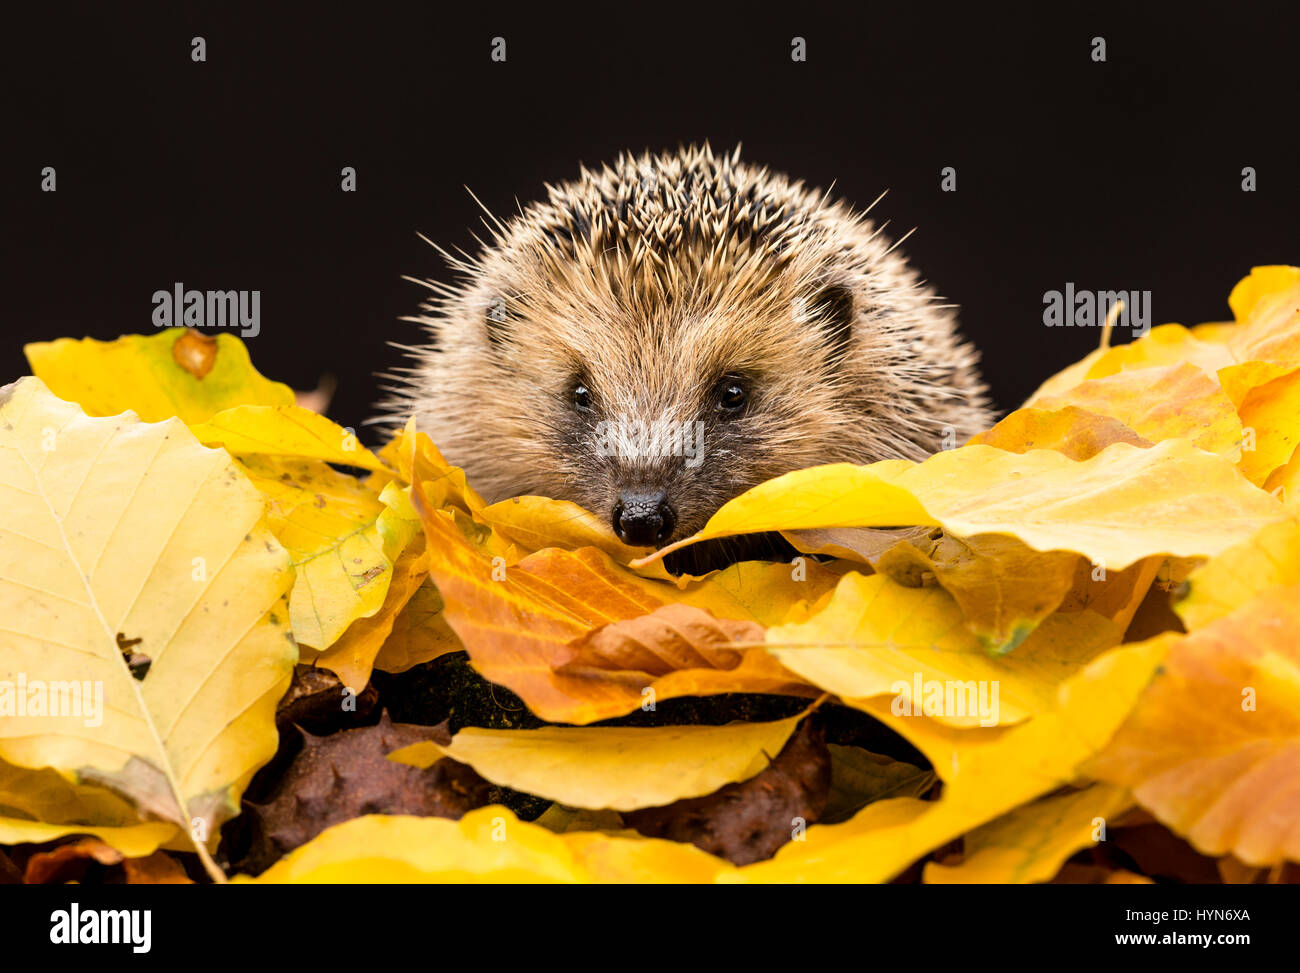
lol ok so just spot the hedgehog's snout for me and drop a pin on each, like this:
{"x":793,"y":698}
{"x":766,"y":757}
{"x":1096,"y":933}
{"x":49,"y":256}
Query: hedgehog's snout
{"x":643,"y":518}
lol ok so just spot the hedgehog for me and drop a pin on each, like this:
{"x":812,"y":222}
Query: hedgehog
{"x":664,"y":333}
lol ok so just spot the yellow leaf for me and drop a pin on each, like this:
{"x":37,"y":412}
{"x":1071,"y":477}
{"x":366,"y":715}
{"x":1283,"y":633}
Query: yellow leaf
{"x":1003,"y":587}
{"x":1161,"y":403}
{"x":1213,"y":747}
{"x":352,"y":657}
{"x":41,"y":805}
{"x":878,"y":638}
{"x":1068,"y":377}
{"x":1122,"y":505}
{"x":864,"y":544}
{"x":986,"y":773}
{"x":486,"y":845}
{"x":1284,"y":482}
{"x":1270,"y":408}
{"x":620,"y":768}
{"x":285,"y":430}
{"x":1266,"y":560}
{"x":1032,"y":842}
{"x":1267,"y":305}
{"x":123,"y":537}
{"x":178,"y":372}
{"x":342,"y":537}
{"x":133,"y":840}
{"x":443,"y":485}
{"x":1261,"y":283}
{"x":1168,"y":344}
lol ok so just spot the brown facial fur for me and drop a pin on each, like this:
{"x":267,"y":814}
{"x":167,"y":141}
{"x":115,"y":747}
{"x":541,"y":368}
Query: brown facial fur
{"x":651,"y":282}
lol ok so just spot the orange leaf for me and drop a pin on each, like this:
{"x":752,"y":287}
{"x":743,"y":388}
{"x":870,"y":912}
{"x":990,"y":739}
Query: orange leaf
{"x":1213,"y":747}
{"x":529,"y":626}
{"x":1077,"y":433}
{"x":1161,"y":403}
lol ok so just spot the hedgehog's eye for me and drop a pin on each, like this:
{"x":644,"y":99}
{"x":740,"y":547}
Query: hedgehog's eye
{"x":732,"y":397}
{"x":581,"y":398}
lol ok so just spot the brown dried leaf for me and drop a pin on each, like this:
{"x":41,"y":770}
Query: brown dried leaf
{"x":347,"y":775}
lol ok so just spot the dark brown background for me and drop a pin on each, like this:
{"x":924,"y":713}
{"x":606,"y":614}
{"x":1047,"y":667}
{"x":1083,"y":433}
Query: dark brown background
{"x":225,"y":174}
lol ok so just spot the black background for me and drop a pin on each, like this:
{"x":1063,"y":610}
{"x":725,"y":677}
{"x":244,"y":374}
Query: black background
{"x":225,"y":174}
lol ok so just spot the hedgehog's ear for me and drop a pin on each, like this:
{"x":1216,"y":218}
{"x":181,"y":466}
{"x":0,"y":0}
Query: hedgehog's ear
{"x":833,"y":310}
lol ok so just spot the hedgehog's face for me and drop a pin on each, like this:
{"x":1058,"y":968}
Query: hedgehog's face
{"x":654,"y":416}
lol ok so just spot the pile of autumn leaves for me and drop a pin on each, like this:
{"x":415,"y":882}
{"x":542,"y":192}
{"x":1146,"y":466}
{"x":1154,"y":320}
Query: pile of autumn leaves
{"x":1121,"y":558}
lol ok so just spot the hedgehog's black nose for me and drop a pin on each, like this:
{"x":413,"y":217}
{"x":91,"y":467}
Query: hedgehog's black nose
{"x":643,"y":518}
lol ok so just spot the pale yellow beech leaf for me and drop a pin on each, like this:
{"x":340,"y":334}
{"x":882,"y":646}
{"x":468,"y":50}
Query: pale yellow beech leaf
{"x":615,"y":859}
{"x":178,"y":372}
{"x":1238,"y":380}
{"x":1267,"y":559}
{"x":342,"y":536}
{"x":133,"y":840}
{"x":487,"y":845}
{"x":1122,"y":505}
{"x":1032,"y":842}
{"x":1220,"y":331}
{"x":352,"y":657}
{"x":986,"y":773}
{"x":1213,"y":747}
{"x":130,"y":542}
{"x":41,"y":805}
{"x":620,"y":767}
{"x":879,"y":638}
{"x":286,"y":430}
